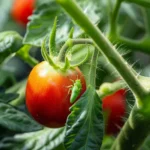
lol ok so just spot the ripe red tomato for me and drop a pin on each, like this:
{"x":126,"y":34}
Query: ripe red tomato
{"x":48,"y":94}
{"x":21,"y":10}
{"x":115,"y":107}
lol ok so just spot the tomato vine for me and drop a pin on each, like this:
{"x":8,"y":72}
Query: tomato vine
{"x":81,"y":76}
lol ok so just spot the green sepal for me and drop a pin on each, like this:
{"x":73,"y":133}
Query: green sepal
{"x":66,"y":65}
{"x":52,"y":42}
{"x":47,"y":57}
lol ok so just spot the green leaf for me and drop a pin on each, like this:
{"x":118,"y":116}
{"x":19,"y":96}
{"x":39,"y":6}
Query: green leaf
{"x":41,"y":2}
{"x":16,"y":120}
{"x":42,"y":21}
{"x":4,"y":13}
{"x":85,"y":126}
{"x":7,"y":97}
{"x":146,"y":145}
{"x":10,"y":42}
{"x":46,"y":139}
{"x":6,"y":76}
{"x":92,"y":8}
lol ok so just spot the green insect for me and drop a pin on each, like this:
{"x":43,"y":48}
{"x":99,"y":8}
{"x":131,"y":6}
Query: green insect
{"x":76,"y":89}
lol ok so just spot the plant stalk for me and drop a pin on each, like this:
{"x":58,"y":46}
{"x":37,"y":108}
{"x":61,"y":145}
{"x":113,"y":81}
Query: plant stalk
{"x":134,"y":132}
{"x":113,"y":19}
{"x":105,"y":47}
{"x":92,"y":71}
{"x":23,"y":53}
{"x":146,"y":14}
{"x":131,"y":136}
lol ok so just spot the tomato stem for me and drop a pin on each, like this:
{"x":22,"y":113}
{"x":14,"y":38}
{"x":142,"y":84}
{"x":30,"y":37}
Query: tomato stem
{"x":110,"y":88}
{"x":125,"y":142}
{"x":23,"y":53}
{"x":131,"y":136}
{"x":104,"y":46}
{"x":113,"y":19}
{"x":146,"y":14}
{"x":136,"y":45}
{"x":92,"y":71}
{"x":142,"y":45}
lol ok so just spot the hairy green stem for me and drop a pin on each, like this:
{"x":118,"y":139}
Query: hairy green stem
{"x":29,"y":60}
{"x":105,"y":47}
{"x":146,"y":14}
{"x":113,"y":19}
{"x":134,"y":132}
{"x":131,"y":136}
{"x":137,"y":45}
{"x":23,"y":53}
{"x":142,"y":45}
{"x":109,"y":88}
{"x":92,"y":70}
{"x":69,"y":43}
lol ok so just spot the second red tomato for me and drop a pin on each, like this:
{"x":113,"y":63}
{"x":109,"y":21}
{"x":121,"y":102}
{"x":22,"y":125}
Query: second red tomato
{"x":115,"y":107}
{"x":21,"y":10}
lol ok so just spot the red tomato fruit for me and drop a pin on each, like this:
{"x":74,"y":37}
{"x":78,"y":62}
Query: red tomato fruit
{"x":21,"y":10}
{"x":115,"y":107}
{"x":48,"y":94}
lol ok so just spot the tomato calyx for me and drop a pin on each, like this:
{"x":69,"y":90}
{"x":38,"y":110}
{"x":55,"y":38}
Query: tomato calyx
{"x":56,"y":65}
{"x":53,"y":57}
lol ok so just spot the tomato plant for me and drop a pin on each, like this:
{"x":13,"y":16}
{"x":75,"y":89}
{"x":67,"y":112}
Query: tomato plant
{"x":58,"y":72}
{"x":114,"y":106}
{"x":21,"y":10}
{"x":48,"y":94}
